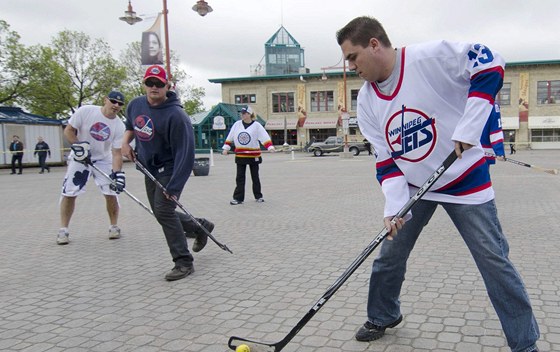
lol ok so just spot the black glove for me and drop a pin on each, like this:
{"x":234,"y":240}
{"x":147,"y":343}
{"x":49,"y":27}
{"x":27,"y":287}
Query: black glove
{"x":118,"y":183}
{"x":81,"y":152}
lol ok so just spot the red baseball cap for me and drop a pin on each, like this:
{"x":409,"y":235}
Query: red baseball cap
{"x":156,"y":71}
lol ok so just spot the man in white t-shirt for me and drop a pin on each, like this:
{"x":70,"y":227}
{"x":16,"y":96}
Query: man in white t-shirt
{"x":95,"y":133}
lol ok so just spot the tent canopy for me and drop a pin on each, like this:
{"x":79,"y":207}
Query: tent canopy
{"x":18,"y":116}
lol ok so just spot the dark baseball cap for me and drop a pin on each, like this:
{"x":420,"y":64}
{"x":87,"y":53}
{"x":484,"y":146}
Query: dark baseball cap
{"x":116,"y":95}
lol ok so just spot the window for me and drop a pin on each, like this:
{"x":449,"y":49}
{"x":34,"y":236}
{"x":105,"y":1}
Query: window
{"x":545,"y":135}
{"x":504,"y":95}
{"x":548,"y":92}
{"x":283,"y":102}
{"x":277,"y":137}
{"x":354,"y":99}
{"x":245,"y":99}
{"x":322,"y":101}
{"x":320,"y":134}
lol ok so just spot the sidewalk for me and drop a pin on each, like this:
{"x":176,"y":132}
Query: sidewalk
{"x":97,"y":294}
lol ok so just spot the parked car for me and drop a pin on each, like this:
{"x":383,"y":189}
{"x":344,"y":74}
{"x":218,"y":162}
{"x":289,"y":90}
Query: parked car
{"x":335,"y":144}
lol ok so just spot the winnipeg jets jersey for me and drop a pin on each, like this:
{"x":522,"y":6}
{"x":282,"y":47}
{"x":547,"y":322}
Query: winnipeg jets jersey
{"x":445,"y":93}
{"x":492,"y":139}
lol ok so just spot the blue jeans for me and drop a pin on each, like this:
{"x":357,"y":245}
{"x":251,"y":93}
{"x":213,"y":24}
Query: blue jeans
{"x":481,"y":230}
{"x":170,"y":221}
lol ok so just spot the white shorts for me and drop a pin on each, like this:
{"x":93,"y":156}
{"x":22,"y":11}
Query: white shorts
{"x":78,"y":174}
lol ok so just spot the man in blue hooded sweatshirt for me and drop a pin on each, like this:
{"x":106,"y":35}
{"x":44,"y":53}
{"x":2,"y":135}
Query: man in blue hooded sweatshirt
{"x":165,"y":146}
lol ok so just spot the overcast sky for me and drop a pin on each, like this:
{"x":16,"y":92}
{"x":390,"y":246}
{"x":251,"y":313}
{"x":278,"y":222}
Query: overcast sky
{"x":227,"y":41}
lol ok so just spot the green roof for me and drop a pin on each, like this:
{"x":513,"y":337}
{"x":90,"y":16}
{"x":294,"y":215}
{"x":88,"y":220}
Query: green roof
{"x":282,"y":38}
{"x":533,"y":63}
{"x":222,"y":109}
{"x":199,"y":117}
{"x":348,"y":73}
{"x":282,"y":77}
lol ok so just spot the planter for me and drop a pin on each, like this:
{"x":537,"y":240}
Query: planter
{"x":201,"y":166}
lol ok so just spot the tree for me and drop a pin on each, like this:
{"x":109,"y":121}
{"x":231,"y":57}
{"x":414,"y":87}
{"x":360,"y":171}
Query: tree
{"x":90,"y":67}
{"x":130,"y":59}
{"x":193,"y":102}
{"x":14,"y":68}
{"x":48,"y":85}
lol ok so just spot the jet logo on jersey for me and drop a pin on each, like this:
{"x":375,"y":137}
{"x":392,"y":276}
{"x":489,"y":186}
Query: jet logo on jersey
{"x":410,"y":134}
{"x":100,"y":131}
{"x":143,"y":128}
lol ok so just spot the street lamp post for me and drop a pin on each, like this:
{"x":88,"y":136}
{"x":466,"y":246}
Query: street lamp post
{"x":286,"y":145}
{"x":166,"y":35}
{"x":344,"y":111}
{"x":201,"y":7}
{"x":345,"y":116}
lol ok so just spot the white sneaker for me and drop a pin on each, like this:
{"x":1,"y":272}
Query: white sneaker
{"x":62,"y":237}
{"x":114,"y":232}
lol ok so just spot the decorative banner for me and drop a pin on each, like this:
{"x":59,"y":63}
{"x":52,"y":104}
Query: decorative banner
{"x":523,"y":96}
{"x":152,"y":45}
{"x":340,"y":94}
{"x":301,"y":110}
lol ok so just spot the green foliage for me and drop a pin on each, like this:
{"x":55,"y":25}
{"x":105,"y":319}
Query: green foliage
{"x":130,"y":59}
{"x":14,"y":69}
{"x":193,"y":102}
{"x":50,"y":87}
{"x":74,"y":70}
{"x":90,"y":66}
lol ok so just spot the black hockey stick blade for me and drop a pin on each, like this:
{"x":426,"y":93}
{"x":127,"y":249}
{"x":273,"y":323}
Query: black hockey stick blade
{"x":235,"y":341}
{"x":145,"y":171}
{"x":254,"y":346}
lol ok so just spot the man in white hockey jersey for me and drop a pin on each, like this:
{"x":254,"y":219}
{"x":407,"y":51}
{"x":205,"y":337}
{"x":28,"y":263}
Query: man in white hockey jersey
{"x":418,"y":104}
{"x":95,"y":134}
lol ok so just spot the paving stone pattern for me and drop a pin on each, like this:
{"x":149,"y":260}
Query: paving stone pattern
{"x":103,"y":295}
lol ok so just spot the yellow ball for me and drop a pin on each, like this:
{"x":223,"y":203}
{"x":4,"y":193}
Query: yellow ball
{"x":243,"y":348}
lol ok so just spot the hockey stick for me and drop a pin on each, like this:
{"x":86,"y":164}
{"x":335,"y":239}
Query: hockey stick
{"x":251,"y":151}
{"x":548,"y":171}
{"x":124,"y":190}
{"x":255,"y":346}
{"x":151,"y":177}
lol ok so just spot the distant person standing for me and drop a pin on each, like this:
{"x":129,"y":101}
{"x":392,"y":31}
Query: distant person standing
{"x":245,"y":136}
{"x":367,"y":144}
{"x":16,"y":147}
{"x":41,"y":150}
{"x":512,"y":143}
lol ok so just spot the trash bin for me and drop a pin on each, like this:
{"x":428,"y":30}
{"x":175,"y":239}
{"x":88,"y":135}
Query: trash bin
{"x":201,"y":166}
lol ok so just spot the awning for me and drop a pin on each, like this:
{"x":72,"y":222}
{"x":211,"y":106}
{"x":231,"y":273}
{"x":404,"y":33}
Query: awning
{"x":278,"y":124}
{"x":321,"y":122}
{"x":542,"y":122}
{"x":510,"y":122}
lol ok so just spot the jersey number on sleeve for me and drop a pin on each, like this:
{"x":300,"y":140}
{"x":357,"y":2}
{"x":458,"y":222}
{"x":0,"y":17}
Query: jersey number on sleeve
{"x":481,"y":54}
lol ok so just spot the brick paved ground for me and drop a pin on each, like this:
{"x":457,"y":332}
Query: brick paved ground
{"x":102,"y":295}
